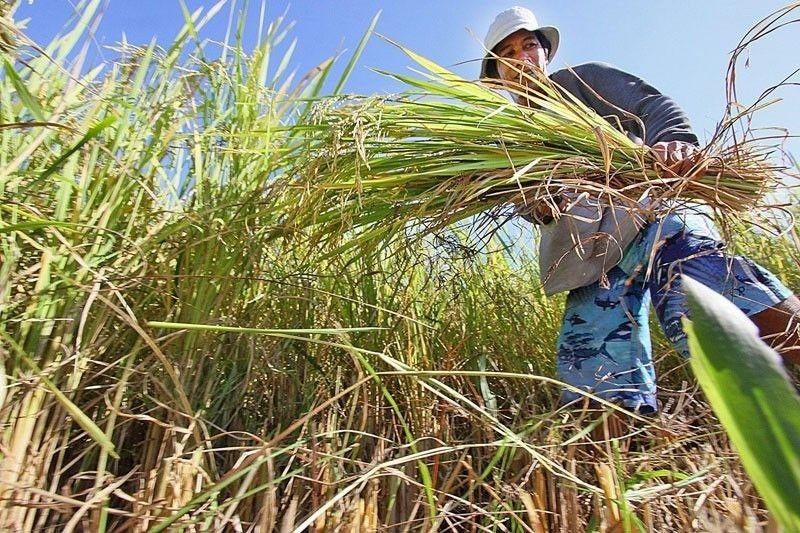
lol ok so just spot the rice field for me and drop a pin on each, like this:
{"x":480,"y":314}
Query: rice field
{"x":174,"y":359}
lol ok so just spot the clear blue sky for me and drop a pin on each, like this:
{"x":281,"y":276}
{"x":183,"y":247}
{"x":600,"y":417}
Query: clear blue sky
{"x":681,"y":47}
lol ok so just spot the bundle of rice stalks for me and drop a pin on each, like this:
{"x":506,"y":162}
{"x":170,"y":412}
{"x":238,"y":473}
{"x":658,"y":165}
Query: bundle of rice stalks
{"x":449,"y":148}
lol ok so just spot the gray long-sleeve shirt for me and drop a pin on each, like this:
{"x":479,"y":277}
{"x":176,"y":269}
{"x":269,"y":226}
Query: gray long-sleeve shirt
{"x":576,"y":250}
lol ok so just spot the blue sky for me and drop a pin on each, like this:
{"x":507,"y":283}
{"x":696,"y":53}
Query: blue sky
{"x":681,"y":47}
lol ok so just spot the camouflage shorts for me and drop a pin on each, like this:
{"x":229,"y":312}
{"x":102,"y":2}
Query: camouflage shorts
{"x":604,"y":346}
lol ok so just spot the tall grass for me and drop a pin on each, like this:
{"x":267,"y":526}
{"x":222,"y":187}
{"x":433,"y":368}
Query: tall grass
{"x":172,"y":359}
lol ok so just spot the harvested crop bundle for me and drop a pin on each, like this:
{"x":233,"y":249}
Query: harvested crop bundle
{"x":450,"y":148}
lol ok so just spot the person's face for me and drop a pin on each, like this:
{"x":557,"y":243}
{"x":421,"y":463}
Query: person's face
{"x":520,"y":51}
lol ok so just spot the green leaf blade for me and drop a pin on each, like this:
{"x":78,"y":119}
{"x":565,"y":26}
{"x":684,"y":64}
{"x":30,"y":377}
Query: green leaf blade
{"x":751,"y":395}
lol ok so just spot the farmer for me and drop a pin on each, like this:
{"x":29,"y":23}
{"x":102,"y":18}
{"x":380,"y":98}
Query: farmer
{"x":601,"y":253}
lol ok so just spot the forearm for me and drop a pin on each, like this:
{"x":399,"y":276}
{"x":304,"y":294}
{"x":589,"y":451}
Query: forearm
{"x":662,"y":118}
{"x":628,"y":102}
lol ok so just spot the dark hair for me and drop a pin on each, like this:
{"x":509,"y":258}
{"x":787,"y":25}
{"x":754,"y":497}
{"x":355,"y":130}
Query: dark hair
{"x":491,"y":69}
{"x":544,"y":41}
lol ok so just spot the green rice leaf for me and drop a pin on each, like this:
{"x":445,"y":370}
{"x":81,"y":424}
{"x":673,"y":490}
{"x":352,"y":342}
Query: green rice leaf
{"x":751,"y":394}
{"x":93,"y":132}
{"x":25,"y":96}
{"x":348,"y":69}
{"x":34,"y":224}
{"x":262,"y":331}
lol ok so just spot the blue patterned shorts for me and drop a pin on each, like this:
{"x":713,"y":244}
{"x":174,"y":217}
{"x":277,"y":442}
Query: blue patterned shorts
{"x":604,"y":346}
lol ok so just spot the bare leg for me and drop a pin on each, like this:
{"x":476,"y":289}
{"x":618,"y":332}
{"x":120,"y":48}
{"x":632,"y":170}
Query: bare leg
{"x":780,"y":328}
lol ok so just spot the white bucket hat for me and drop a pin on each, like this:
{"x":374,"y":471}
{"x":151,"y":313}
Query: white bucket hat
{"x":506,"y":23}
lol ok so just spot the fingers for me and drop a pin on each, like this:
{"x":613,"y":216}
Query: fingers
{"x":543,"y":214}
{"x":683,"y":159}
{"x":660,"y":152}
{"x":540,"y":211}
{"x":672,"y":152}
{"x":679,"y":157}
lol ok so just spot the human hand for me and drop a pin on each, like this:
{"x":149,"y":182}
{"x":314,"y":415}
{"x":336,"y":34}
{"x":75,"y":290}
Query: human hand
{"x":680,"y":157}
{"x":541,"y":211}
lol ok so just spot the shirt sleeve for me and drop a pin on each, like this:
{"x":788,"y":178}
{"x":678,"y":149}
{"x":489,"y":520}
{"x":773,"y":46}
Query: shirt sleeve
{"x":628,"y":101}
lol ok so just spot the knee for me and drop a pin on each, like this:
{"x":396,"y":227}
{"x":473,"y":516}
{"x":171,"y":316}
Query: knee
{"x":779,"y":326}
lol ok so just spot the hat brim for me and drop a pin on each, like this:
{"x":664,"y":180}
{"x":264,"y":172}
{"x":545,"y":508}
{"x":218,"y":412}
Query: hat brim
{"x":489,"y":63}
